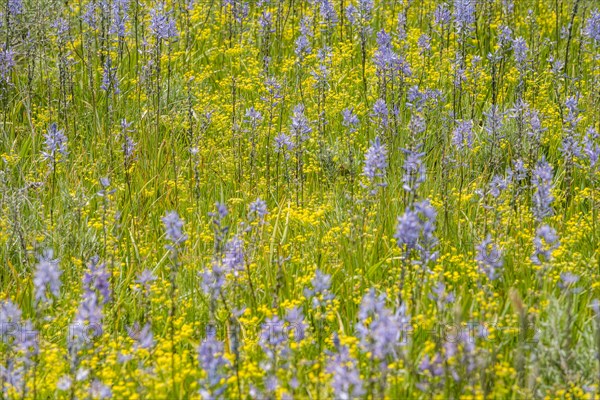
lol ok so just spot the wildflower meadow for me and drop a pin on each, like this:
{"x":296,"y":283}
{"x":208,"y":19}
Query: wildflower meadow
{"x":299,"y":199}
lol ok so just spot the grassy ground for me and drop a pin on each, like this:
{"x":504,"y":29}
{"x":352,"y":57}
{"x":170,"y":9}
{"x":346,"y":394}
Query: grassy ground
{"x":440,"y":155}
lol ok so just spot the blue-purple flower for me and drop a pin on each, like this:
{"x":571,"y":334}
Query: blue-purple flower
{"x":320,"y":294}
{"x":47,"y":276}
{"x":542,"y":197}
{"x":375,"y":165}
{"x":233,"y":260}
{"x":346,"y":380}
{"x":7,"y":64}
{"x":592,"y":26}
{"x":380,"y":113}
{"x":300,"y":127}
{"x":212,"y":361}
{"x":520,"y":51}
{"x":415,"y":231}
{"x":442,"y":15}
{"x":462,"y":136}
{"x":174,"y":228}
{"x":142,"y":336}
{"x":414,"y":169}
{"x":162,"y":25}
{"x":55,"y":145}
{"x":258,"y":208}
{"x":380,"y":331}
{"x":464,"y":15}
{"x":349,"y":119}
{"x":490,"y":258}
{"x":544,"y":243}
{"x":283,"y":144}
